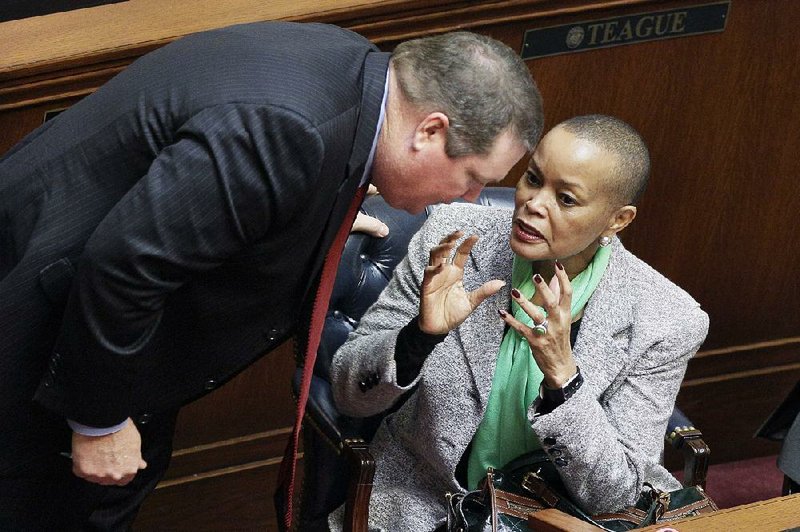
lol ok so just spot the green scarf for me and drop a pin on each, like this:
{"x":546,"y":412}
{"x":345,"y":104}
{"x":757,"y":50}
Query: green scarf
{"x":504,"y":432}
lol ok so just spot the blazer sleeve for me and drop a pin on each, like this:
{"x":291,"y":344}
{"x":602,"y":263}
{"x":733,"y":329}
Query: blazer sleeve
{"x":606,"y":449}
{"x":368,"y":354}
{"x":233,"y":174}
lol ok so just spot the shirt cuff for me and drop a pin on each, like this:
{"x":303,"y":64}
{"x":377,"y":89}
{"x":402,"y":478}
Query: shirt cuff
{"x":95,"y":431}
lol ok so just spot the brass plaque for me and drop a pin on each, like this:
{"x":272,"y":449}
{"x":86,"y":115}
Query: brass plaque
{"x":628,"y":29}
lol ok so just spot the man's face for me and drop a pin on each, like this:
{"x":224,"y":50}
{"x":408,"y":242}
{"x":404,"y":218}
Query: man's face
{"x":415,"y":172}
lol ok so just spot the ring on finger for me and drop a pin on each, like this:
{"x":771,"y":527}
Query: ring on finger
{"x":540,"y":329}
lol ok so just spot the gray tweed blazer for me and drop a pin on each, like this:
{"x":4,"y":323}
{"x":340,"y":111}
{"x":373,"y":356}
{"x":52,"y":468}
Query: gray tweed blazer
{"x":637,"y":334}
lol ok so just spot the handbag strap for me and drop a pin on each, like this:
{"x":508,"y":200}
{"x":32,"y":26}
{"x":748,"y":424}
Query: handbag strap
{"x":288,"y":469}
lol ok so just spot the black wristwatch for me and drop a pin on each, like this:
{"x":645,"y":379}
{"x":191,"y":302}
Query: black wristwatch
{"x":556,"y":397}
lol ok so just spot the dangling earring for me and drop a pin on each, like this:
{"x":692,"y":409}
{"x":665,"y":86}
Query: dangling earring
{"x":605,"y":240}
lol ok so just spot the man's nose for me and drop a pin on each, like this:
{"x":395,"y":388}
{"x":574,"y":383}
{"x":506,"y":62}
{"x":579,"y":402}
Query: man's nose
{"x":473,"y":193}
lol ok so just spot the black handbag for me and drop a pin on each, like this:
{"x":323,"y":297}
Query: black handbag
{"x":530,"y":483}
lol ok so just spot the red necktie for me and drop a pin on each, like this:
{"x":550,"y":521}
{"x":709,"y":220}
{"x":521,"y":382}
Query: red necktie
{"x":288,"y":470}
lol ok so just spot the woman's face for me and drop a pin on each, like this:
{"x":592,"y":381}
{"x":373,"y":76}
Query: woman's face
{"x":564,"y":203}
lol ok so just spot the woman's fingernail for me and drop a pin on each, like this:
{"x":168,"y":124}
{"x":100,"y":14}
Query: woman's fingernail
{"x":559,"y":265}
{"x":538,"y":279}
{"x":515,"y":293}
{"x":502,"y":313}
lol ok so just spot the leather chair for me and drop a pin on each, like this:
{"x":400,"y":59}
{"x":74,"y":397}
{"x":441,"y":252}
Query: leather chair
{"x":337,"y":466}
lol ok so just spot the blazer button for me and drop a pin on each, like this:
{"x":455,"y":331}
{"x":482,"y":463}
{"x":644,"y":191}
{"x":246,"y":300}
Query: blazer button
{"x":210,"y":384}
{"x":145,"y":418}
{"x":363,"y":387}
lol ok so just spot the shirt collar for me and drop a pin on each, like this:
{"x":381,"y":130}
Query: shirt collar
{"x":371,"y":158}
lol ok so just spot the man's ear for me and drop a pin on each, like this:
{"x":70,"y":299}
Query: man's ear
{"x":620,"y":220}
{"x":431,"y":130}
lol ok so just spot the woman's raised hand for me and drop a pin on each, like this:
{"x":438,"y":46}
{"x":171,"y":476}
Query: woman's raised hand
{"x":551,"y":350}
{"x":444,"y":304}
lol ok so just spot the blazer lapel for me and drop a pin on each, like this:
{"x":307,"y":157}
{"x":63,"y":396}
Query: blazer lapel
{"x":601,"y":348}
{"x":481,"y":333}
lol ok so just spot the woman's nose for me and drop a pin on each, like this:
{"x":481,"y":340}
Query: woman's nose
{"x":537,"y":203}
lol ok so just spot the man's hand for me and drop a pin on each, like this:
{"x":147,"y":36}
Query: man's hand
{"x":370,"y":225}
{"x":113,"y":459}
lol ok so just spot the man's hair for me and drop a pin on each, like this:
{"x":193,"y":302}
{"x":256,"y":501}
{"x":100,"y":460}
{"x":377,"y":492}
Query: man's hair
{"x":481,"y":85}
{"x":622,"y":140}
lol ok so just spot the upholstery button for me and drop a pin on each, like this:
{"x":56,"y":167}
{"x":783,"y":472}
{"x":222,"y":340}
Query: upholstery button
{"x":549,"y":441}
{"x":210,"y":384}
{"x":145,"y":418}
{"x":271,"y":334}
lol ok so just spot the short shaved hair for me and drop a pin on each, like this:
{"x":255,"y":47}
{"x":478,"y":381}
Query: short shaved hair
{"x":621,"y":139}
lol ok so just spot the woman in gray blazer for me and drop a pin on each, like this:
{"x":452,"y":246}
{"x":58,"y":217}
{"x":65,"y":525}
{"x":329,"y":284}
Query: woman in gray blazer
{"x":538,"y":330}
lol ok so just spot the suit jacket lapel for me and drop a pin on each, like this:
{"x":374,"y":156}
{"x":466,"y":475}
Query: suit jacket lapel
{"x":376,"y":66}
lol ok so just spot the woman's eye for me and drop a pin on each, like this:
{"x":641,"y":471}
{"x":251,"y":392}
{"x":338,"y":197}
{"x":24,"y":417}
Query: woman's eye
{"x":532,"y":178}
{"x":568,"y":200}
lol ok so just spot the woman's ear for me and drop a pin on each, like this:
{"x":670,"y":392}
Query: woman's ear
{"x":620,"y":220}
{"x":432,"y":129}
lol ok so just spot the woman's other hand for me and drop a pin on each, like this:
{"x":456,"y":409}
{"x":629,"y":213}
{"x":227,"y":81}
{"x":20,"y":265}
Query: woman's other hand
{"x":552,"y":350}
{"x":444,"y":304}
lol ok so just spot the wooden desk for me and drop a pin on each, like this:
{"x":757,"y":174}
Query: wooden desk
{"x":773,"y":515}
{"x":777,"y":514}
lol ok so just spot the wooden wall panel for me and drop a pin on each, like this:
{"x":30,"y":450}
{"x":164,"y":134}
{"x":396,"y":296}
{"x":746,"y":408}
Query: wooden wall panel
{"x":721,"y":116}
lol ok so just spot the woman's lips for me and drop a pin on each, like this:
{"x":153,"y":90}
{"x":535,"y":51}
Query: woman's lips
{"x":526,"y":233}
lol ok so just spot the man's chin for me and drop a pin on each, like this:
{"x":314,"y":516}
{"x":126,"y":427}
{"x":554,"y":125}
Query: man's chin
{"x":404,"y":205}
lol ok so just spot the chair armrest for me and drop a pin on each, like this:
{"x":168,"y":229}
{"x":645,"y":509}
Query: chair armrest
{"x":689,"y":440}
{"x":362,"y":471}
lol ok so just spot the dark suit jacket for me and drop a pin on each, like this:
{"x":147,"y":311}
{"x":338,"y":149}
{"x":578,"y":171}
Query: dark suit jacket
{"x":783,"y":425}
{"x":161,"y":234}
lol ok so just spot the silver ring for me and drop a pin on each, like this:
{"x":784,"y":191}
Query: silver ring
{"x":540,"y":329}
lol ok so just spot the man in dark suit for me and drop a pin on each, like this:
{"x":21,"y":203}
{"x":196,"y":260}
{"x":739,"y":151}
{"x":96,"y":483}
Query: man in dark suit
{"x":783,"y":425}
{"x":165,"y":232}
